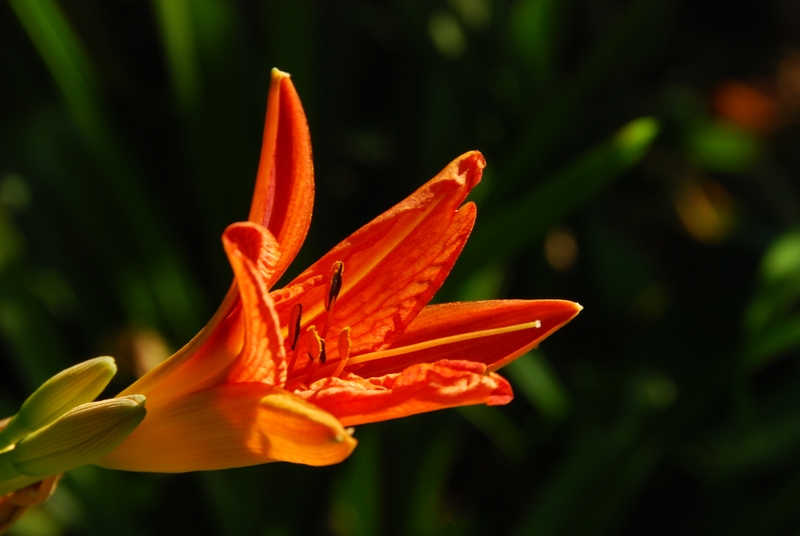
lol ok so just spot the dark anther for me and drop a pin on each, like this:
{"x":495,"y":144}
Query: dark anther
{"x":335,"y":284}
{"x":322,"y":356}
{"x":294,"y":325}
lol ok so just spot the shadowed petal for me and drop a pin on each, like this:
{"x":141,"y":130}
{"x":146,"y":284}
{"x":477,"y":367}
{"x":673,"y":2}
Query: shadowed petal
{"x":255,"y":243}
{"x":282,"y":202}
{"x":394,"y":264}
{"x":232,"y":426}
{"x":262,"y":358}
{"x":252,"y":252}
{"x":284,"y":193}
{"x":418,"y":389}
{"x":212,"y":350}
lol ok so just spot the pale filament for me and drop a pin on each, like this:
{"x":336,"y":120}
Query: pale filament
{"x":316,"y":352}
{"x":344,"y":351}
{"x":372,"y":356}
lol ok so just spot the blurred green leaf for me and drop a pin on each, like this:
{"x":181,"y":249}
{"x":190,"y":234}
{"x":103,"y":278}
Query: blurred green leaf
{"x":521,"y":223}
{"x":747,"y":448}
{"x":36,"y":522}
{"x":447,"y":35}
{"x":483,"y":284}
{"x":498,"y":428}
{"x":235,"y":510}
{"x":772,"y":343}
{"x":28,"y":330}
{"x":102,"y":511}
{"x":778,"y":285}
{"x":546,"y":125}
{"x":771,"y":326}
{"x":424,"y":517}
{"x":292,"y":38}
{"x":623,"y":275}
{"x":601,"y":468}
{"x":118,"y":204}
{"x":535,"y":28}
{"x":356,"y":498}
{"x":718,"y":146}
{"x":178,"y":36}
{"x":532,"y":374}
{"x":66,"y":59}
{"x":773,"y":512}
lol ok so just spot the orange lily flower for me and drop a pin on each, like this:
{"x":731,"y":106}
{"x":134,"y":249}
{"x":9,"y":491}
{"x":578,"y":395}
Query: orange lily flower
{"x":279,"y":374}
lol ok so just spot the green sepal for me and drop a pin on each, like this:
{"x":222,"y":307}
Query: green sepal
{"x":61,"y":393}
{"x":78,"y":437}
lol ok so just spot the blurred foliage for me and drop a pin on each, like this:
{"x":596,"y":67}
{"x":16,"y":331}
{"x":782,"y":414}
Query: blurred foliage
{"x":642,"y":161}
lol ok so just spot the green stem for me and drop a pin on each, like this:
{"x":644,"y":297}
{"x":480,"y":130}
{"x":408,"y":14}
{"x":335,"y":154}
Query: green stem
{"x":10,"y":478}
{"x":7,"y":470}
{"x":18,"y":483}
{"x":13,"y":432}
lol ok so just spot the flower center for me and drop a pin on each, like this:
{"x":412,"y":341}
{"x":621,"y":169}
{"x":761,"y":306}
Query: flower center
{"x":315,"y":342}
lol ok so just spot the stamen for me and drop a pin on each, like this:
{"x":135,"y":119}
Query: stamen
{"x":314,"y":343}
{"x":294,"y":333}
{"x":344,"y":351}
{"x":334,"y":287}
{"x":444,"y":340}
{"x":294,"y":324}
{"x":316,"y":352}
{"x":335,"y":284}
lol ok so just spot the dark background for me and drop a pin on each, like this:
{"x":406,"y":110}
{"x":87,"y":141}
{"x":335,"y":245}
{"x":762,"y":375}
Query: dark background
{"x":644,"y":160}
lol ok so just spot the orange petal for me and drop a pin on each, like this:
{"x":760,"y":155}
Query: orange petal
{"x":262,"y":359}
{"x":394,"y":264}
{"x":204,"y":361}
{"x":284,"y":193}
{"x":462,"y":319}
{"x":231,"y":426}
{"x":418,"y":389}
{"x":255,"y":243}
{"x":208,"y":353}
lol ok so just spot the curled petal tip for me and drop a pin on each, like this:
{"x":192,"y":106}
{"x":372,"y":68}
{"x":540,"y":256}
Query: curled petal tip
{"x":471,"y":166}
{"x":277,"y":74}
{"x":475,"y":158}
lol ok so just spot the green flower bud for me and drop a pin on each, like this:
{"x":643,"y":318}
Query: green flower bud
{"x":64,"y":391}
{"x":78,"y":437}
